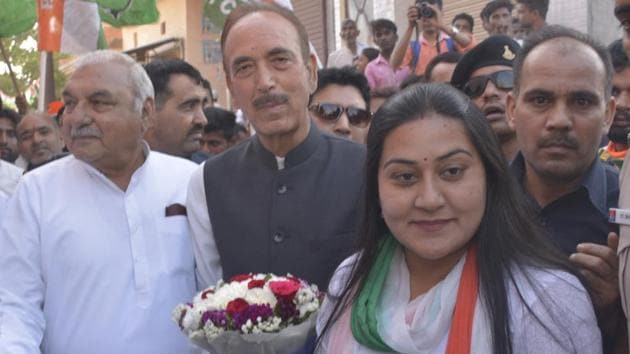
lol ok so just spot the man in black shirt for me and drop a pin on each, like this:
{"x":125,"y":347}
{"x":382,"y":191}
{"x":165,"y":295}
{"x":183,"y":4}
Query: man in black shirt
{"x":559,"y":113}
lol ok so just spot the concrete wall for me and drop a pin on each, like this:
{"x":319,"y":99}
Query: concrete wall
{"x":602,"y":23}
{"x":594,"y":17}
{"x":171,"y":13}
{"x":570,"y":13}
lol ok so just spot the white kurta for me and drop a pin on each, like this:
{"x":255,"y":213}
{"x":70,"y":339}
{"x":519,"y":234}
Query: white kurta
{"x":422,"y":325}
{"x":9,"y":177}
{"x":343,"y":56}
{"x":88,"y":268}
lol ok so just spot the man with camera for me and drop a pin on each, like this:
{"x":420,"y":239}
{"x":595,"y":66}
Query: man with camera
{"x":433,"y":37}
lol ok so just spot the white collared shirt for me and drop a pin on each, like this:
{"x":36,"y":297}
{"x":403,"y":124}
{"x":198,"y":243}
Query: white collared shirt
{"x":88,"y":268}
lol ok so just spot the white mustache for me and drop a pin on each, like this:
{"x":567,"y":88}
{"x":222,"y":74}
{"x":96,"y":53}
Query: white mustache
{"x":86,"y":132}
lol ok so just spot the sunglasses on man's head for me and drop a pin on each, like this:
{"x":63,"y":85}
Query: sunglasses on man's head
{"x":503,"y":80}
{"x":331,"y":112}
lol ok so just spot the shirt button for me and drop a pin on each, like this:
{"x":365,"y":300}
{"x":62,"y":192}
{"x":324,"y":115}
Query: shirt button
{"x":278,"y":237}
{"x":282,"y":189}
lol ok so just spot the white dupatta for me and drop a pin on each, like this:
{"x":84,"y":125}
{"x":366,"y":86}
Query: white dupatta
{"x":420,"y":326}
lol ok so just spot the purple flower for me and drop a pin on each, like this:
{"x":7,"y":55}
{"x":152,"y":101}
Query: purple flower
{"x":252,"y":313}
{"x":218,"y":318}
{"x":286,"y":310}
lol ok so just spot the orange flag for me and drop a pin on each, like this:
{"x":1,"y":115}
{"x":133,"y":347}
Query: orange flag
{"x":69,"y":26}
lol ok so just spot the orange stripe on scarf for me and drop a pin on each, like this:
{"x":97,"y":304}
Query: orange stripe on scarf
{"x":460,"y":336}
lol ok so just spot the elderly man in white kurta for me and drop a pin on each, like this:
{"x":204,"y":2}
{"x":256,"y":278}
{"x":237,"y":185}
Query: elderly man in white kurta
{"x":95,"y":250}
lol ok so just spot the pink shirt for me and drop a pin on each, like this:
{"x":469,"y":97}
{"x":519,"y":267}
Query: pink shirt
{"x":380,"y":74}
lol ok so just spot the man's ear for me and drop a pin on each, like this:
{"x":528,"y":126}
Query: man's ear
{"x":609,"y":115}
{"x":510,"y":108}
{"x":311,"y":66}
{"x":148,"y":114}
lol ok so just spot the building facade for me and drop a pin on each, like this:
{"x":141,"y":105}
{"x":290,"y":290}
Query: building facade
{"x":183,"y":31}
{"x":594,"y":17}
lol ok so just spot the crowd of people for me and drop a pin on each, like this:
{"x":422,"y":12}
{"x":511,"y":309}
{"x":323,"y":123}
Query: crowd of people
{"x":448,"y":195}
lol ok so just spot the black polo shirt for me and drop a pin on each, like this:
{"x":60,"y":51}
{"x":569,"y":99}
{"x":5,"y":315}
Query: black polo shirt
{"x":582,"y":215}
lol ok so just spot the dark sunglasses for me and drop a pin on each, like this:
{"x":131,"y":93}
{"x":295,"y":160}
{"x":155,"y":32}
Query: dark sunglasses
{"x":475,"y":87}
{"x":331,"y":112}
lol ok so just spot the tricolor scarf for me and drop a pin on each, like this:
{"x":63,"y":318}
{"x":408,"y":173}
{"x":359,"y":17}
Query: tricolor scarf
{"x":365,"y":319}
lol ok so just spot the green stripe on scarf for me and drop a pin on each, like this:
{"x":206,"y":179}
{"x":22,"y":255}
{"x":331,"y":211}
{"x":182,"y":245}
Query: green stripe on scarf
{"x":364,"y":320}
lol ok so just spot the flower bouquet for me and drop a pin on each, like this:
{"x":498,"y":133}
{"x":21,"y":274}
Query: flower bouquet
{"x":252,"y":313}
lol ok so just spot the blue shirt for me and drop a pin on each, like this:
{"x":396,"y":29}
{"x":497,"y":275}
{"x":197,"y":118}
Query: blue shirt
{"x":582,"y":215}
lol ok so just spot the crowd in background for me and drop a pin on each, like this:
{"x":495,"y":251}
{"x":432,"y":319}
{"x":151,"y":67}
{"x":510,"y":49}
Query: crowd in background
{"x":448,"y":195}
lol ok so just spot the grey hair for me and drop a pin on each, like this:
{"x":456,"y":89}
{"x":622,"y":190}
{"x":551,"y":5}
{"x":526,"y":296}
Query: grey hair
{"x":138,"y":79}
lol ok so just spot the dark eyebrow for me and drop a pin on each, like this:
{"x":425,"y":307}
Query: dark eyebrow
{"x":100,"y":93}
{"x":585,"y":94}
{"x":279,"y":51}
{"x":454,"y":152}
{"x":399,"y":161}
{"x":240,"y":60}
{"x":537,"y":92}
{"x":440,"y":158}
{"x":192,"y":100}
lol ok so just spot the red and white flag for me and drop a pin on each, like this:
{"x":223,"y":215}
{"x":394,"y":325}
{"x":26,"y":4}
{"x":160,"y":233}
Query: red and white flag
{"x":68,"y":26}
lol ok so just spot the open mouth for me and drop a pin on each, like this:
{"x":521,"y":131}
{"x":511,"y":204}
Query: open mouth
{"x":494,"y":112}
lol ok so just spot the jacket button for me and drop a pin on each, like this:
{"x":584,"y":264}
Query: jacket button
{"x":282,"y":189}
{"x":278,"y":237}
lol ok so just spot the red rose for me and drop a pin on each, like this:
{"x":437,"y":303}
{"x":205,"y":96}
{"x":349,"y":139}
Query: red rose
{"x":235,"y":306}
{"x":285,"y":288}
{"x":255,"y":284}
{"x":292,"y":278}
{"x":204,"y":294}
{"x":240,"y":277}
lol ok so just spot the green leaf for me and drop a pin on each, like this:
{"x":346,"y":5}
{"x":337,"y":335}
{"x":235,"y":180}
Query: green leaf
{"x":17,"y":16}
{"x":119,"y":13}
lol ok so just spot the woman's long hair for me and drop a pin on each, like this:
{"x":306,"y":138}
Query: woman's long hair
{"x":508,"y":237}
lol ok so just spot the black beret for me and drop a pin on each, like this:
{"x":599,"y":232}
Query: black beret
{"x":495,"y":50}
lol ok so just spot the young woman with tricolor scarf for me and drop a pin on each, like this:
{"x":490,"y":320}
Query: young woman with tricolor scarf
{"x":450,"y":258}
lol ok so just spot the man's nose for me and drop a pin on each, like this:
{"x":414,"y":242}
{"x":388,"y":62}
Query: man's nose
{"x":342,"y":125}
{"x":266,"y":79}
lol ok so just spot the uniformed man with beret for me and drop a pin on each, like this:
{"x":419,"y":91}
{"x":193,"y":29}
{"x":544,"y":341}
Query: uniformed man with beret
{"x":485,"y":75}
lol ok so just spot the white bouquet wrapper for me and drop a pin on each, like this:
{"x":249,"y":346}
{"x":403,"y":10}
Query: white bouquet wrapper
{"x":252,"y":313}
{"x":289,"y":340}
